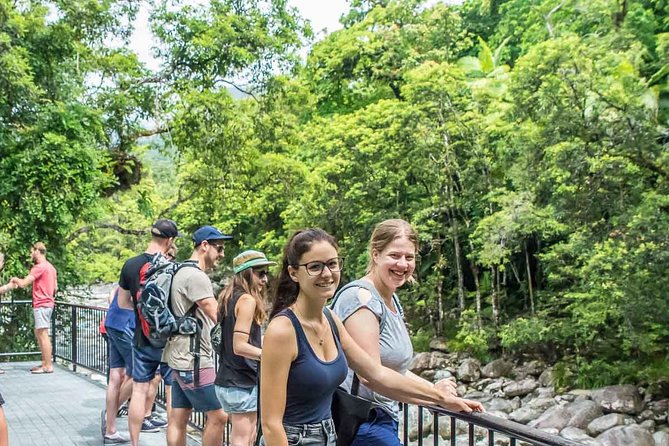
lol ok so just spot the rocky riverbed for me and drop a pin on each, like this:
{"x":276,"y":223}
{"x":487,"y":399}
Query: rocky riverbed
{"x":623,"y":415}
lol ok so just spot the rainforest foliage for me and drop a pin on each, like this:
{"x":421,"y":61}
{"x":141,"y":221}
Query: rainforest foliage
{"x":526,"y":140}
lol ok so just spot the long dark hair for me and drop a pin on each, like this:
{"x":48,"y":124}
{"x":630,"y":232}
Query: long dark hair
{"x":299,"y":243}
{"x":243,"y":281}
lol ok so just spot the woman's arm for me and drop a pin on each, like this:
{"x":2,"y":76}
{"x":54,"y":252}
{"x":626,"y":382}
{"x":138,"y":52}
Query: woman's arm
{"x":280,"y":349}
{"x":244,"y":312}
{"x":394,"y":385}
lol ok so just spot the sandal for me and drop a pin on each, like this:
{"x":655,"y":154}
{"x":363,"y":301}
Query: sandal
{"x":40,"y":371}
{"x":37,"y":367}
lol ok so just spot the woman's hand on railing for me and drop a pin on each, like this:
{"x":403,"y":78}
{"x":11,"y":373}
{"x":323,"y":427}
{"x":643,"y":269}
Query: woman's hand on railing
{"x":447,"y":386}
{"x":457,"y":404}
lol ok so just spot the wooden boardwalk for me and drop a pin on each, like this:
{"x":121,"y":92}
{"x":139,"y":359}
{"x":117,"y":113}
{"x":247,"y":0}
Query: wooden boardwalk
{"x":62,"y":408}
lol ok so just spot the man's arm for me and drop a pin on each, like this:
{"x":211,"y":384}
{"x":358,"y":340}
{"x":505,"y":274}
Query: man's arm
{"x":124,"y":299}
{"x":6,"y":287}
{"x":209,"y":307}
{"x":22,"y":283}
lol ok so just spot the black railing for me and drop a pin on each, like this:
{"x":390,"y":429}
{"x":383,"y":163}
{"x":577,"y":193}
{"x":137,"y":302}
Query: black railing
{"x":77,"y":340}
{"x":16,"y":334}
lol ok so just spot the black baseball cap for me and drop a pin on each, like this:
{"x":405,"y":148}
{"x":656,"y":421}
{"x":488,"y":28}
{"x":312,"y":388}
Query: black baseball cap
{"x":165,"y":228}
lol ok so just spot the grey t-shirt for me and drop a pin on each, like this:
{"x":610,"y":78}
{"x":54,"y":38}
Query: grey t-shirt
{"x":190,"y":285}
{"x":394,"y":343}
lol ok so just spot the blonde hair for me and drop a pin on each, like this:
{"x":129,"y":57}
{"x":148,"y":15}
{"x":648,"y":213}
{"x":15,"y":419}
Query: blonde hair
{"x":41,"y":247}
{"x":385,"y":233}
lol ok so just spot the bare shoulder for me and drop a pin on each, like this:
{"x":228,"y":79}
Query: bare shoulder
{"x":280,"y":330}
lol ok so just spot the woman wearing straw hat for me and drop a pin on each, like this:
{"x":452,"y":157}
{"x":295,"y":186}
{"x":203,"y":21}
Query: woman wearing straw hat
{"x":241,"y":312}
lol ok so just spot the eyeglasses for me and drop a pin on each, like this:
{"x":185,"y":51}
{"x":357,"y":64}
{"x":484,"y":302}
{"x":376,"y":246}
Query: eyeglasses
{"x":261,"y":272}
{"x":316,"y":267}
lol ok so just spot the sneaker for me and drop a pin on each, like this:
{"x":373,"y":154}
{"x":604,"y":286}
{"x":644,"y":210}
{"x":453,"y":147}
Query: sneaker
{"x":116,"y":438}
{"x":157,"y":421}
{"x":147,"y":426}
{"x":103,"y":422}
{"x":122,"y":411}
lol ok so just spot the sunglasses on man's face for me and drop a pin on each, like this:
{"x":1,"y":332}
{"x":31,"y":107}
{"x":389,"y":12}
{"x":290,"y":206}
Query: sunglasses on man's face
{"x":219,"y":248}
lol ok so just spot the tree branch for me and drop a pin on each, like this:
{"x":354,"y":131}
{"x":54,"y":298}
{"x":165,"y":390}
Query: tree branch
{"x":549,"y":25}
{"x":100,"y":225}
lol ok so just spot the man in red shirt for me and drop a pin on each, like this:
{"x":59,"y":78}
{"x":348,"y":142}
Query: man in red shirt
{"x":44,"y":280}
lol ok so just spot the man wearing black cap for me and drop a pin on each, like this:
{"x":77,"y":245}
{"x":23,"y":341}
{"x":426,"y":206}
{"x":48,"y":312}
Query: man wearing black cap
{"x":192,"y":364}
{"x":146,"y":360}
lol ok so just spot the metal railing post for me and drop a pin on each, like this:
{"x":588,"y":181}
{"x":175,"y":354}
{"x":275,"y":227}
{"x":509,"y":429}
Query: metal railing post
{"x":53,"y":333}
{"x":73,"y":330}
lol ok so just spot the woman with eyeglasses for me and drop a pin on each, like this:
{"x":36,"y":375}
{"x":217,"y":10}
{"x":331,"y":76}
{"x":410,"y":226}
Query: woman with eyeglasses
{"x":305,"y":356}
{"x":241,"y":312}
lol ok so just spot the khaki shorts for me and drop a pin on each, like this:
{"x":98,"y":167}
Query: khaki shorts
{"x":42,"y":317}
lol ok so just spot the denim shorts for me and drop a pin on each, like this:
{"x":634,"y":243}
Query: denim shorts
{"x":186,"y":395}
{"x":238,"y":399}
{"x":317,"y":434}
{"x":42,"y":317}
{"x":146,"y":362}
{"x":379,"y":430}
{"x":120,"y":350}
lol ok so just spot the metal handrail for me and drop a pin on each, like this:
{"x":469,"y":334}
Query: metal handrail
{"x":495,"y":425}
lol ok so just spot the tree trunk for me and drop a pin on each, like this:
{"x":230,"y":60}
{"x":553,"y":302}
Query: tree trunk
{"x":440,"y":288}
{"x":529,"y":277}
{"x":475,"y":273}
{"x":458,"y":266}
{"x":495,"y":295}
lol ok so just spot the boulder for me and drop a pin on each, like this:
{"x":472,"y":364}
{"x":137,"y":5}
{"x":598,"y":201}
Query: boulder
{"x":497,"y":368}
{"x":495,"y":387}
{"x":439,"y":344}
{"x":602,"y":424}
{"x":583,"y":413}
{"x":469,"y":370}
{"x":632,"y":435}
{"x":619,"y":399}
{"x":645,"y":415}
{"x":442,"y":374}
{"x":439,"y":360}
{"x":661,"y":438}
{"x":546,"y":378}
{"x":420,"y":362}
{"x":576,"y":434}
{"x":530,"y":368}
{"x":556,"y":417}
{"x":525,"y":414}
{"x":542,"y":404}
{"x":520,"y":388}
{"x":648,"y":425}
{"x":500,"y":404}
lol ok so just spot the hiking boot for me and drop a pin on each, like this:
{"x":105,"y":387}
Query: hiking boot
{"x":122,"y":411}
{"x":147,"y":426}
{"x":157,"y":421}
{"x":115,"y":438}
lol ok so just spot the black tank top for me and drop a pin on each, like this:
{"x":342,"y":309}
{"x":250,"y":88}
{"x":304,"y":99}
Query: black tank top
{"x":235,"y":370}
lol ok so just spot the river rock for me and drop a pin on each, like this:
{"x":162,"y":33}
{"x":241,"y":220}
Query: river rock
{"x":531,"y":368}
{"x":626,"y":436}
{"x":500,"y":404}
{"x":520,"y":388}
{"x":556,"y":417}
{"x":439,"y":344}
{"x":620,"y":399}
{"x":542,"y":404}
{"x":661,"y":438}
{"x":583,"y":413}
{"x":469,"y":370}
{"x":576,"y":434}
{"x":602,"y":424}
{"x":525,"y":414}
{"x":546,"y":378}
{"x":442,"y":374}
{"x":420,"y":362}
{"x":497,"y":368}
